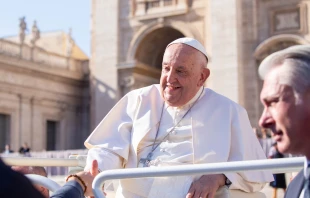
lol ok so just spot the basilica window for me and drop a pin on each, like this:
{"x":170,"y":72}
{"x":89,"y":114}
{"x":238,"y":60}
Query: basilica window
{"x":52,"y":135}
{"x":4,"y":130}
{"x":145,"y":9}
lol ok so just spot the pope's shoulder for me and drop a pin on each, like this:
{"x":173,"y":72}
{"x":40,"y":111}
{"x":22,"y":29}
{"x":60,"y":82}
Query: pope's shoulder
{"x":223,"y":100}
{"x":145,"y":91}
{"x":209,"y":95}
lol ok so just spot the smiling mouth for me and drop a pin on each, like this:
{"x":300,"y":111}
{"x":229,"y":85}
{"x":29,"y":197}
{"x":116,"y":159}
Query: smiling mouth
{"x":170,"y":87}
{"x":278,"y":135}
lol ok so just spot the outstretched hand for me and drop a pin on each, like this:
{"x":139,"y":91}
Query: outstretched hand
{"x":88,"y":178}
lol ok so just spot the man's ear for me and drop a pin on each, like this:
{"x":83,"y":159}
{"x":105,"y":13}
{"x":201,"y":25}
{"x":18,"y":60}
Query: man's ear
{"x":204,"y":76}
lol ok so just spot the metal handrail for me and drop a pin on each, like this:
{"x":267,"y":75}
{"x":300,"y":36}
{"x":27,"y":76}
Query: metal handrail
{"x":43,"y":181}
{"x":277,"y":165}
{"x":30,"y":161}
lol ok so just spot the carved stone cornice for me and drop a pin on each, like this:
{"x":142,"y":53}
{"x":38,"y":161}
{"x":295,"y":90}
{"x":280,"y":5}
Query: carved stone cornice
{"x":276,"y":43}
{"x":289,"y":19}
{"x":17,"y":65}
{"x":144,"y":69}
{"x":152,"y":9}
{"x":140,"y":68}
{"x":37,"y":96}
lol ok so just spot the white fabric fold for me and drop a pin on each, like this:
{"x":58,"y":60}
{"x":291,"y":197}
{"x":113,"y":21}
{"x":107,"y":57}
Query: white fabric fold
{"x":221,"y":132}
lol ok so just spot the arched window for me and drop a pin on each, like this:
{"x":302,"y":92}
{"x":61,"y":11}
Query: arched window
{"x":152,"y":47}
{"x":148,"y":58}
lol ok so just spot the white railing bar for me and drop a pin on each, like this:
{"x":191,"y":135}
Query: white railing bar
{"x":30,"y":161}
{"x":285,"y":170}
{"x":43,"y":181}
{"x":212,"y":168}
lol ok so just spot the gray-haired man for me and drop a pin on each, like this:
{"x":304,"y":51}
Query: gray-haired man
{"x":286,"y":98}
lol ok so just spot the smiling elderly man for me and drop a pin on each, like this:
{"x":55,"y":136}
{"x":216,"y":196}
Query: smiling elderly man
{"x":178,"y":122}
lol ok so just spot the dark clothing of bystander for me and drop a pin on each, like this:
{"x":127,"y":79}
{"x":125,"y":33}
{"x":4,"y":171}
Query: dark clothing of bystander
{"x":14,"y":184}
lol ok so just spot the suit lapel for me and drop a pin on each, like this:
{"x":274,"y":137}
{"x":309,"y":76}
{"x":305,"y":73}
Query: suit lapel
{"x":295,"y":187}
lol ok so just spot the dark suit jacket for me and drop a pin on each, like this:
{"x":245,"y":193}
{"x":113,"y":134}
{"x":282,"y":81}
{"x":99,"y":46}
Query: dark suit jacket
{"x":14,"y":184}
{"x":71,"y":189}
{"x":295,"y":187}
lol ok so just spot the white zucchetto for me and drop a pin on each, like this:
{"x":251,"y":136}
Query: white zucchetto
{"x":191,"y":42}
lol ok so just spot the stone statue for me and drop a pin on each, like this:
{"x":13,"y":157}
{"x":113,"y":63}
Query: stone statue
{"x":70,"y":43}
{"x":35,"y":33}
{"x":22,"y":29}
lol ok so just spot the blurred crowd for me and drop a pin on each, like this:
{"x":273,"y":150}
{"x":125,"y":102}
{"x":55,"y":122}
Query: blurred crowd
{"x":24,"y":150}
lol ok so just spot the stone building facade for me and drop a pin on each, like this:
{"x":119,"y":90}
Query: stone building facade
{"x":44,"y":93}
{"x":51,"y":97}
{"x":129,"y":39}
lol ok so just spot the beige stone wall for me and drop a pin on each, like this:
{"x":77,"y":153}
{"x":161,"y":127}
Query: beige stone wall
{"x":247,"y":65}
{"x":237,"y":29}
{"x":268,"y":26}
{"x":33,"y":93}
{"x":236,"y":33}
{"x":223,"y":47}
{"x":104,"y":58}
{"x":151,"y":32}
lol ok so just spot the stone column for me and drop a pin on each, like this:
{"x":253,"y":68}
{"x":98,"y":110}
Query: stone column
{"x":104,"y":58}
{"x":249,"y":84}
{"x":39,"y":126}
{"x":25,"y":120}
{"x":71,"y":132}
{"x":222,"y":41}
{"x":231,"y":39}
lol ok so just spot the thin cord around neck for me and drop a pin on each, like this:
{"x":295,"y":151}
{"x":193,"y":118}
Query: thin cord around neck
{"x":154,"y":146}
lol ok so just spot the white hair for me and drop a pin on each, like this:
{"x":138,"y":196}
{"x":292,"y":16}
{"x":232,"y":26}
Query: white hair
{"x":294,"y":67}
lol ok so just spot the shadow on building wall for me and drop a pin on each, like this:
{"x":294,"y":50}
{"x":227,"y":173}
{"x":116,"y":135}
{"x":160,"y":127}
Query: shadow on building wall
{"x":103,"y":98}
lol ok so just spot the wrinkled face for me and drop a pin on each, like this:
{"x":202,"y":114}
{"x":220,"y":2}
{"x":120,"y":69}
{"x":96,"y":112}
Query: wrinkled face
{"x":288,"y":120}
{"x":183,"y":73}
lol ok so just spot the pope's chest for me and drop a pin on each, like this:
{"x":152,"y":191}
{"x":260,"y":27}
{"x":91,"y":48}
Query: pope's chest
{"x":173,"y":126}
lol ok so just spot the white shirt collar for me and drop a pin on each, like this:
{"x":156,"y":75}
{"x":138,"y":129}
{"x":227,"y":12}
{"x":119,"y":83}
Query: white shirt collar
{"x":306,"y":168}
{"x":191,"y":101}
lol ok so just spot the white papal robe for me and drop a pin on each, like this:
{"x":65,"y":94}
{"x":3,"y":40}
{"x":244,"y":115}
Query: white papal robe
{"x":215,"y":130}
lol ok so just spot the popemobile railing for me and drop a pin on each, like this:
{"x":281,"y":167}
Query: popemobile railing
{"x":275,"y":165}
{"x":47,"y":162}
{"x":284,"y":165}
{"x":54,"y":162}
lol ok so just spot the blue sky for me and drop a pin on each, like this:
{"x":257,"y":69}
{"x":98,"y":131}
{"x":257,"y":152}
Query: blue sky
{"x":50,"y":16}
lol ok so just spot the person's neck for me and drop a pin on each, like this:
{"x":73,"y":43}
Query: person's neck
{"x":194,"y":98}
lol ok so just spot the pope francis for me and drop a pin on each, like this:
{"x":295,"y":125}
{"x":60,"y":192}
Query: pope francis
{"x":178,"y":122}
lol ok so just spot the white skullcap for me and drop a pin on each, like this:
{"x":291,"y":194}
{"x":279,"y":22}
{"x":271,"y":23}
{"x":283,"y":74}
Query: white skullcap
{"x":191,"y":42}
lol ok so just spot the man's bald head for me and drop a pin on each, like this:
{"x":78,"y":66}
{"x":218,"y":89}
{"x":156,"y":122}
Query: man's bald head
{"x":37,"y":170}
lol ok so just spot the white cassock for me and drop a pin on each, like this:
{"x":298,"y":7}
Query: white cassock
{"x":215,"y":129}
